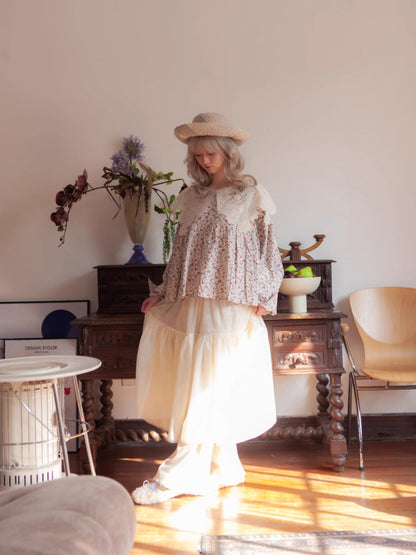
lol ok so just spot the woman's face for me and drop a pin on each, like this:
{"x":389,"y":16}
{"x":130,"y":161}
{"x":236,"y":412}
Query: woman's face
{"x":211,"y":161}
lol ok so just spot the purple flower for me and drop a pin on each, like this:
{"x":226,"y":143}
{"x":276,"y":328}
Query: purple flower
{"x":121,"y":163}
{"x":133,"y":147}
{"x":124,"y":161}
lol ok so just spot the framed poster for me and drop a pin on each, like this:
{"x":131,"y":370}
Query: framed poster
{"x":43,"y":319}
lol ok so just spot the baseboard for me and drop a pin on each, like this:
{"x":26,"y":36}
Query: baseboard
{"x":376,"y":427}
{"x":386,"y":427}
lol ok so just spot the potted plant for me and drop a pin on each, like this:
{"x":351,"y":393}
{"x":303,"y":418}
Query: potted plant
{"x":130,"y":183}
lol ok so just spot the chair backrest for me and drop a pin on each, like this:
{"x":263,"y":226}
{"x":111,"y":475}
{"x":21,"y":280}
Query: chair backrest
{"x":386,"y":321}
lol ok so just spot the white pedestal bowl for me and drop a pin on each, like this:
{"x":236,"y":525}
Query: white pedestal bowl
{"x":297,"y":289}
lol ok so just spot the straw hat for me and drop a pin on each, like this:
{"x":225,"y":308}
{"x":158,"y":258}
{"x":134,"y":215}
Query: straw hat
{"x":210,"y":124}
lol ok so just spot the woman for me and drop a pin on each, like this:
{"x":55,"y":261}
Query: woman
{"x":203,"y":367}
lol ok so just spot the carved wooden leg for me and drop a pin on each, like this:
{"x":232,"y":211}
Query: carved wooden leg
{"x":300,"y":432}
{"x":107,"y":420}
{"x":88,"y":408}
{"x":337,"y":442}
{"x":323,"y":392}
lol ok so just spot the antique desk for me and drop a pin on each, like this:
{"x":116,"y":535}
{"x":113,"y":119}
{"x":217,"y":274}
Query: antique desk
{"x":300,"y":344}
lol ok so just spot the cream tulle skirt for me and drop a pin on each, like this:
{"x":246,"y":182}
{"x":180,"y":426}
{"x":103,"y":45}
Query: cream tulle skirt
{"x":204,"y":372}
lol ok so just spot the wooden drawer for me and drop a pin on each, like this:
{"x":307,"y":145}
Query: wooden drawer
{"x":115,"y":347}
{"x":298,"y":349}
{"x":122,"y":289}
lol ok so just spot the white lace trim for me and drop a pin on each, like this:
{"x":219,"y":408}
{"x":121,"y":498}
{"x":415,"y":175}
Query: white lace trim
{"x":191,"y":203}
{"x":239,"y":208}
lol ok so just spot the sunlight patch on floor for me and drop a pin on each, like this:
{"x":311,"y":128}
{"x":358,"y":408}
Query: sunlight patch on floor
{"x":138,"y":459}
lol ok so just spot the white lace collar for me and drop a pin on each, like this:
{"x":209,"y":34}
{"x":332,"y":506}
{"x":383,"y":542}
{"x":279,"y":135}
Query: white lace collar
{"x":239,"y":208}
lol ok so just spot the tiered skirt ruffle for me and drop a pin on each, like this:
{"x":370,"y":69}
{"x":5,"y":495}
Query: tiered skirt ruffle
{"x":204,"y":372}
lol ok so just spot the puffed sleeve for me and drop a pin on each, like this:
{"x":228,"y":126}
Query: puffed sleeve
{"x":270,"y":271}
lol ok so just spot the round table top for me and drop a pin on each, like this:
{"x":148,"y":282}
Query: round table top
{"x":40,"y":368}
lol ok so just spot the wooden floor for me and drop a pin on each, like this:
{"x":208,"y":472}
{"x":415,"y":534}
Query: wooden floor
{"x":289,"y":487}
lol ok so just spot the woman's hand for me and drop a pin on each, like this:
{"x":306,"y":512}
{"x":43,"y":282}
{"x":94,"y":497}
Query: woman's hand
{"x":260,"y":310}
{"x":149,"y":302}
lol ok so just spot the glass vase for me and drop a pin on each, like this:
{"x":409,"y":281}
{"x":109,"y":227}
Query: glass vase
{"x":137,"y":217}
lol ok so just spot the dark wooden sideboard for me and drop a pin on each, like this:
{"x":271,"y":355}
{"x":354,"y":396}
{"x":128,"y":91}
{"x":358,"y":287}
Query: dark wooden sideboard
{"x":300,"y":344}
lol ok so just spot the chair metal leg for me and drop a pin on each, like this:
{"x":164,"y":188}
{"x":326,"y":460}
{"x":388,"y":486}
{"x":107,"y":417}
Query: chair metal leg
{"x":353,"y":384}
{"x":61,"y":428}
{"x":349,"y":415}
{"x":83,"y":425}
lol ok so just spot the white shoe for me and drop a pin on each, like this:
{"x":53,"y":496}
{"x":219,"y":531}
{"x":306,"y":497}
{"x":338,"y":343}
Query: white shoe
{"x":231,"y":484}
{"x":228,"y":483}
{"x":152,"y":492}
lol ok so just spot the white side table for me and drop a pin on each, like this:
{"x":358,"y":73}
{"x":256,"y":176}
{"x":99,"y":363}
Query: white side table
{"x":41,"y":370}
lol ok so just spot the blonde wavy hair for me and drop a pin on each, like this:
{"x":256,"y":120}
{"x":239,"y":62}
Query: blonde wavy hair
{"x":233,"y":166}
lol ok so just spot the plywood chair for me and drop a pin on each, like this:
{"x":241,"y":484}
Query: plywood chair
{"x":386,"y":321}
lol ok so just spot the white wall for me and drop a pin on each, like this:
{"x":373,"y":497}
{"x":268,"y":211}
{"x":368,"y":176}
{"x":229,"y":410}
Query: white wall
{"x":327,"y":89}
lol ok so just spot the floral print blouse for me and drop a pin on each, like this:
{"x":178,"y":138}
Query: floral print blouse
{"x":224,"y":248}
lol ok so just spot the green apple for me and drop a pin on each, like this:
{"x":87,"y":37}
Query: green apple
{"x":291,"y":270}
{"x":306,"y":272}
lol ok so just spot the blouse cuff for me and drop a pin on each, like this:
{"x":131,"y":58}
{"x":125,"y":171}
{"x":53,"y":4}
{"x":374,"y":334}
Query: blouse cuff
{"x":271,"y":304}
{"x":156,"y":289}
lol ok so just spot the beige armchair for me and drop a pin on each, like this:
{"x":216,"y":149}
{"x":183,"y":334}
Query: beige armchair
{"x":386,"y":321}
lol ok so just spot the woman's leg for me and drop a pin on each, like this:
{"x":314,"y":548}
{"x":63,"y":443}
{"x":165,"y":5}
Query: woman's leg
{"x":193,"y":469}
{"x":226,"y":465}
{"x":200,"y":469}
{"x":188,"y":470}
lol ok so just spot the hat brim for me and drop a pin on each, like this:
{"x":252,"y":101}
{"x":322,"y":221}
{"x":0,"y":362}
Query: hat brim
{"x":188,"y":130}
